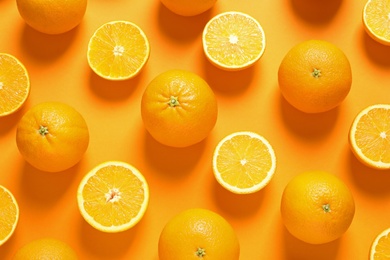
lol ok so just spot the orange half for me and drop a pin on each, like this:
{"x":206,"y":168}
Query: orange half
{"x":14,"y":84}
{"x":380,"y":248}
{"x":244,"y":162}
{"x":369,"y":136}
{"x":376,"y":20}
{"x":233,"y":40}
{"x":9,"y":215}
{"x":118,"y":50}
{"x":113,"y":196}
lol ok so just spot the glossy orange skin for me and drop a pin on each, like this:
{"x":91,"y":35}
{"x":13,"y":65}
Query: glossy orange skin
{"x":198,"y":234}
{"x":45,"y":248}
{"x":63,"y":145}
{"x":193,"y":116}
{"x":52,"y":16}
{"x":315,"y":76}
{"x":317,"y":207}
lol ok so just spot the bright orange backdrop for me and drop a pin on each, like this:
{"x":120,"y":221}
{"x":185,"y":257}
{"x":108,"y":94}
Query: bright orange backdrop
{"x":182,"y":178}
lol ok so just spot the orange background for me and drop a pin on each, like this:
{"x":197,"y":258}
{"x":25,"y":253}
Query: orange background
{"x":182,"y":178}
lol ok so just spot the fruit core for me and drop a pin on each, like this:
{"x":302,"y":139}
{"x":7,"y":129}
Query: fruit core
{"x":243,"y":161}
{"x":113,"y":195}
{"x":118,"y":50}
{"x":233,"y":39}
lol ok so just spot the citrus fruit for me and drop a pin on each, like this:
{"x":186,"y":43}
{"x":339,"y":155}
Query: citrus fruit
{"x":188,"y":7}
{"x":179,"y":108}
{"x":376,"y":16}
{"x":9,"y":214}
{"x":369,"y":136}
{"x":52,"y":16}
{"x":113,"y":196}
{"x":233,"y":40}
{"x":14,"y":84}
{"x":380,"y":248}
{"x":45,"y":248}
{"x":52,"y":136}
{"x":244,"y":162}
{"x":198,"y":234}
{"x":315,"y":76}
{"x":317,"y":207}
{"x":118,"y":50}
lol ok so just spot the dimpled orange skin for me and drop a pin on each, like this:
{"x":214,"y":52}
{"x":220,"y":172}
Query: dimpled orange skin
{"x":198,"y":234}
{"x":178,"y":108}
{"x":52,"y":16}
{"x":45,"y":248}
{"x":317,"y":207}
{"x":315,"y":76}
{"x":52,"y":136}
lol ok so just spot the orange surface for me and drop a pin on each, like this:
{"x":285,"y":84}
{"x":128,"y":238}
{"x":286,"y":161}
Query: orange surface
{"x":182,"y":178}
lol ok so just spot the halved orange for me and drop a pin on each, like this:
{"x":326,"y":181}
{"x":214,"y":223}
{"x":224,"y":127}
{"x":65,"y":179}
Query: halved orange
{"x":14,"y":84}
{"x":9,"y":215}
{"x":376,"y":20}
{"x":113,"y":196}
{"x":244,"y":162}
{"x":233,"y":40}
{"x":118,"y":50}
{"x":380,"y":248}
{"x":369,"y":136}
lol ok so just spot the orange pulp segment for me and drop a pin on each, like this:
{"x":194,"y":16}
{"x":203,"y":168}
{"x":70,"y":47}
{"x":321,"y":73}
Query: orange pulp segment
{"x":118,"y":50}
{"x":376,"y":20}
{"x":380,"y":248}
{"x":244,"y":162}
{"x":9,"y":214}
{"x":233,"y":40}
{"x":369,"y":136}
{"x":113,"y":196}
{"x":14,"y":84}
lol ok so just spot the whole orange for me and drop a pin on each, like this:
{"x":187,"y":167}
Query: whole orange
{"x":315,"y":76}
{"x":52,"y":16}
{"x":52,"y":136}
{"x":179,"y":108}
{"x":188,"y":7}
{"x":198,"y":234}
{"x":317,"y":207}
{"x":45,"y":248}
